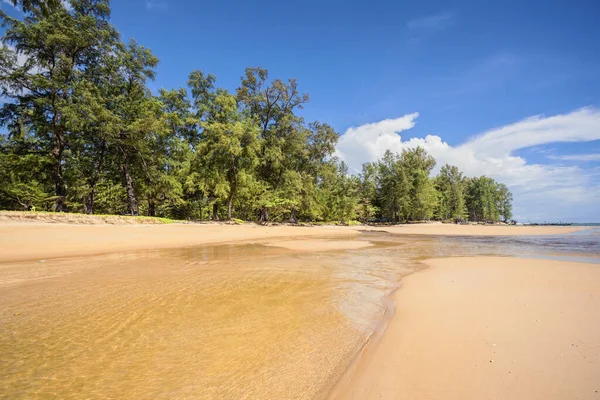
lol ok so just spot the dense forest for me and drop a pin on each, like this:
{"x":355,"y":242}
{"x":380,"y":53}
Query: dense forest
{"x":82,"y":132}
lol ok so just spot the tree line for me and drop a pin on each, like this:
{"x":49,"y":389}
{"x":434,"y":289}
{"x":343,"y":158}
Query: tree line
{"x":84,"y":133}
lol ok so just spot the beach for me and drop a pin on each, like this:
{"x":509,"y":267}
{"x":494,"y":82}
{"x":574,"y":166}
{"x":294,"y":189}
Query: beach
{"x":488,"y":328}
{"x":30,"y":240}
{"x":249,"y":311}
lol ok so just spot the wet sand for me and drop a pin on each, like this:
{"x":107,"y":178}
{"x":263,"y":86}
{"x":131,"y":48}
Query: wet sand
{"x":488,"y":328}
{"x":28,"y":241}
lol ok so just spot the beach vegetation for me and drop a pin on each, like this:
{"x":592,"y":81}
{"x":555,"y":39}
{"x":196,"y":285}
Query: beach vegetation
{"x":82,"y":132}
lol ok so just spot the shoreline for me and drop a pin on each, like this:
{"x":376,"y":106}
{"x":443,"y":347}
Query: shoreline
{"x":546,"y":321}
{"x":22,"y":241}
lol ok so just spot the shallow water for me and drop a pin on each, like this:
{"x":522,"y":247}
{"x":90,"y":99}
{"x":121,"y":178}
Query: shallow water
{"x":213,"y":322}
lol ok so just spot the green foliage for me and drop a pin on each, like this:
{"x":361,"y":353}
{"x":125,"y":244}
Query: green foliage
{"x":84,"y":133}
{"x":450,"y":185}
{"x":488,"y":200}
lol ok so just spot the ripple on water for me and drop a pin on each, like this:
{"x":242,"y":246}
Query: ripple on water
{"x":216,"y":322}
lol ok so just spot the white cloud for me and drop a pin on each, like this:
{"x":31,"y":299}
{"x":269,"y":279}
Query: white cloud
{"x":67,"y":5}
{"x":10,"y":3}
{"x":577,"y":157}
{"x":368,"y":142}
{"x":21,"y":58}
{"x":579,"y":126}
{"x":540,"y":190}
{"x":436,"y":21}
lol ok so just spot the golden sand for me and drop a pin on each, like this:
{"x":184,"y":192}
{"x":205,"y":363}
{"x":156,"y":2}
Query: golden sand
{"x":488,"y":328}
{"x":28,"y":241}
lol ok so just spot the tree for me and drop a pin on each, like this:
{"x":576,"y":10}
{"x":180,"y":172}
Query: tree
{"x":345,"y":198}
{"x":367,"y":192}
{"x":140,"y":118}
{"x":450,"y":185}
{"x":487,"y":200}
{"x":83,"y":132}
{"x":57,"y":46}
{"x":228,"y":149}
{"x":423,"y":197}
{"x":394,"y":186}
{"x":23,"y":174}
{"x":182,"y":137}
{"x":417,"y":164}
{"x":504,"y":202}
{"x":283,"y":136}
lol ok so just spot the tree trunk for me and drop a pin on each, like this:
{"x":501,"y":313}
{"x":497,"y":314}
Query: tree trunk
{"x":94,"y":180}
{"x":60,"y":189}
{"x":229,"y":207}
{"x":233,"y":185}
{"x":230,"y":200}
{"x":59,"y":179}
{"x":133,"y":203}
{"x":151,"y":207}
{"x":293,"y":218}
{"x":90,"y":203}
{"x":264,"y":216}
{"x":215,"y":212}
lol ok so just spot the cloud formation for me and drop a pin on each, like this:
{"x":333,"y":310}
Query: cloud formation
{"x":10,"y":3}
{"x":542,"y":191}
{"x":67,"y":5}
{"x":577,"y":157}
{"x":21,"y":58}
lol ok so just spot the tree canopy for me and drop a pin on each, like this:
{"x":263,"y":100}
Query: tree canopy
{"x":84,"y":133}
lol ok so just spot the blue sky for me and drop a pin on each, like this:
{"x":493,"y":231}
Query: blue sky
{"x":456,"y":77}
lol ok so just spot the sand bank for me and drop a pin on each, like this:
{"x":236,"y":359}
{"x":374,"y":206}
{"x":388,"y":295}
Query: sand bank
{"x":488,"y":327}
{"x":28,"y":241}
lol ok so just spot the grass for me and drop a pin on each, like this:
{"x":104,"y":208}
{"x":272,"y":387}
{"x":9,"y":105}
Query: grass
{"x":86,"y":219}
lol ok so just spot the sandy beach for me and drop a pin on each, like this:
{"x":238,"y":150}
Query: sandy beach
{"x":281,"y":298}
{"x":34,"y":240}
{"x":488,"y":328}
